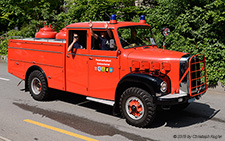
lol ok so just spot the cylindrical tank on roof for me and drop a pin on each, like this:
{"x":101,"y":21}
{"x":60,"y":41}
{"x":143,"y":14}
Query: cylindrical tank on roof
{"x":46,"y":32}
{"x":61,"y":34}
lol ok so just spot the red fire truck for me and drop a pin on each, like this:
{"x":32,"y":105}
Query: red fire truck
{"x":133,"y":74}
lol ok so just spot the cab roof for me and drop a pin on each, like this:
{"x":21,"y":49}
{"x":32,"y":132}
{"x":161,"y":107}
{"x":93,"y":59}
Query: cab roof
{"x":101,"y":24}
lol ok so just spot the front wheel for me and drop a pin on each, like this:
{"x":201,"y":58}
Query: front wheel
{"x":38,"y":86}
{"x":137,"y":107}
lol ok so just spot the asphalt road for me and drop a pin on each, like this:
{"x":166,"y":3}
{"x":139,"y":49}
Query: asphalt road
{"x":70,"y":117}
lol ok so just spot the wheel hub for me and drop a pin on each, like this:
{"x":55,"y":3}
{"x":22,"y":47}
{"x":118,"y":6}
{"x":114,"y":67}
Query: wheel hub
{"x":134,"y":108}
{"x":36,"y":86}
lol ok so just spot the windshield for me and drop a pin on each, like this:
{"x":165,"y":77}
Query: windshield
{"x":135,"y":36}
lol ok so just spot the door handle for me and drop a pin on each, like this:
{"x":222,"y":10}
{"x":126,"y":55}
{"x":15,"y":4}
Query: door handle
{"x":67,"y":55}
{"x":90,"y":58}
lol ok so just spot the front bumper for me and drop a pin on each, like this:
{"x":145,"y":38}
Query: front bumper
{"x":174,"y":99}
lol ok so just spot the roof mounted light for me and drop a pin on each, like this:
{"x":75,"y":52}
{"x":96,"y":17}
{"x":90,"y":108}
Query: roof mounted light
{"x":142,"y":19}
{"x":113,"y":19}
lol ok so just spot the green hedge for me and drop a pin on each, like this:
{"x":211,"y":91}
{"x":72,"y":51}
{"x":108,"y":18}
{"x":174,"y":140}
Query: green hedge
{"x":26,"y":31}
{"x":197,"y":27}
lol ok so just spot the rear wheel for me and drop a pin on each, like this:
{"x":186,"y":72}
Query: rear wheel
{"x":38,"y":86}
{"x":137,"y":107}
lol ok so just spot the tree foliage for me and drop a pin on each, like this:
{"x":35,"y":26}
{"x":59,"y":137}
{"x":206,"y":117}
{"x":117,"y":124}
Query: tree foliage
{"x":97,"y":10}
{"x":18,"y":13}
{"x":197,"y":26}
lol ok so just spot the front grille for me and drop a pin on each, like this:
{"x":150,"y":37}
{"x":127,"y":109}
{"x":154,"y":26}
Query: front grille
{"x":197,"y":75}
{"x":192,"y":75}
{"x":184,"y":83}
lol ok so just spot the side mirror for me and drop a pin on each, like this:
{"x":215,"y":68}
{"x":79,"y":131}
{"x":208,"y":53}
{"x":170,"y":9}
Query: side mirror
{"x":165,"y":31}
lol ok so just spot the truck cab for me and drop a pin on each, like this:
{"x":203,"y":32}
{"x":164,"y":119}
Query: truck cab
{"x":132,"y":74}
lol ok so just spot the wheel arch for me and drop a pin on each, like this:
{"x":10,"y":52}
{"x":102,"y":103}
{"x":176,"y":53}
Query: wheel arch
{"x":144,"y":81}
{"x":31,"y":69}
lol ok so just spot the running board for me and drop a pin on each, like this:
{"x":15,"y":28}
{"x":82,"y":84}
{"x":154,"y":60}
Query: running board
{"x":107,"y":102}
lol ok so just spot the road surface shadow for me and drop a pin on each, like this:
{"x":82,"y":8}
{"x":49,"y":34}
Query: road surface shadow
{"x":195,"y":113}
{"x":80,"y":100}
{"x":83,"y":124}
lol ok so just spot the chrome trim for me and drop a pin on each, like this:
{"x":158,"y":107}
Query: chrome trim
{"x":35,"y":50}
{"x":171,"y":96}
{"x":33,"y":62}
{"x":178,"y":95}
{"x":39,"y":41}
{"x":89,"y":28}
{"x":92,"y":55}
{"x":184,"y":85}
{"x":107,"y":102}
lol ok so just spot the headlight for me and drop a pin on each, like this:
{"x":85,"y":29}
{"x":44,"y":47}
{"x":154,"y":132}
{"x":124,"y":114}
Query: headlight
{"x":163,"y":87}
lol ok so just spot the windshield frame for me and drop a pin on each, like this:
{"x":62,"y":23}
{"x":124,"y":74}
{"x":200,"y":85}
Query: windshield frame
{"x":130,"y":26}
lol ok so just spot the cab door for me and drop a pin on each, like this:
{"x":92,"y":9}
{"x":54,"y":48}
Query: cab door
{"x":77,"y":64}
{"x":103,"y":72}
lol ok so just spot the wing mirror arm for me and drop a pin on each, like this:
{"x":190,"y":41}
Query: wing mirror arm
{"x":165,"y":32}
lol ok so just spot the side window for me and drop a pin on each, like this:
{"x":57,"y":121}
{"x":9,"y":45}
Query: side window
{"x":103,"y":42}
{"x":82,"y":38}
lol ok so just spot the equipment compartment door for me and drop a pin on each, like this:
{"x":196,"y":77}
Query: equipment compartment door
{"x":103,"y":74}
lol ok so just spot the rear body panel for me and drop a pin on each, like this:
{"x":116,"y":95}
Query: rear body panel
{"x":49,"y":56}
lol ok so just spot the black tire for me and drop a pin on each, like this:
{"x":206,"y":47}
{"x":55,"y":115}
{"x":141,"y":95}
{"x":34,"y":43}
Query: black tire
{"x":141,"y":115}
{"x":37,"y":85}
{"x":179,"y":107}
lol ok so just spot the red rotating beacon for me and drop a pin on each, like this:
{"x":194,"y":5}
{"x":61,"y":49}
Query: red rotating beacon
{"x":61,"y":34}
{"x":46,"y":32}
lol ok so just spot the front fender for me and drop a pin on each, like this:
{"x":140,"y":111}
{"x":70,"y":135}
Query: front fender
{"x":144,"y":79}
